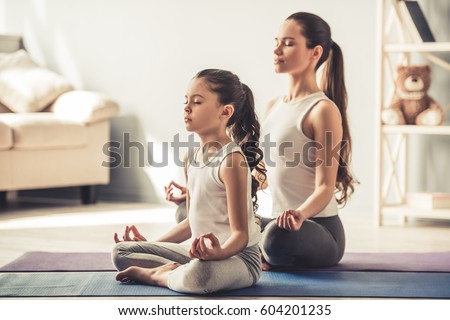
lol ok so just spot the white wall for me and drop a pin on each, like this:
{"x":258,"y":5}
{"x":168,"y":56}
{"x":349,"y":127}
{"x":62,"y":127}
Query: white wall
{"x":143,"y":53}
{"x":2,"y":16}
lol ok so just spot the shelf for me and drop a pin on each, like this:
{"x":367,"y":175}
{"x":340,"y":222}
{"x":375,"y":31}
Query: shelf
{"x":416,"y":129}
{"x":404,"y":210}
{"x":417,"y":47}
{"x":392,"y":165}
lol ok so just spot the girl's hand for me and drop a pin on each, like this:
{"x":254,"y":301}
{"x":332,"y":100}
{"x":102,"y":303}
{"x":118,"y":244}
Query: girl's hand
{"x":131,"y":234}
{"x":290,"y":220}
{"x":169,"y":193}
{"x":201,"y":251}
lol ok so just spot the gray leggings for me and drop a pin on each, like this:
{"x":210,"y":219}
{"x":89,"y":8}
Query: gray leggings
{"x":181,"y":212}
{"x":320,"y":242}
{"x":194,"y":276}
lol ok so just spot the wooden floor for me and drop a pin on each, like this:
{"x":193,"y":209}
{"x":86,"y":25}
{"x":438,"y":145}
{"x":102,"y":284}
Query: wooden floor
{"x":31,"y":225}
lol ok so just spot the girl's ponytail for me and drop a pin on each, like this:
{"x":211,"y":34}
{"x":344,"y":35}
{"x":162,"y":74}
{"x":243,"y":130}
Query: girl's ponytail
{"x":246,"y":132}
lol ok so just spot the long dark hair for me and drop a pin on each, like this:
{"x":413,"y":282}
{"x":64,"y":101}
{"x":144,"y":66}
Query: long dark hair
{"x":243,"y":126}
{"x":317,"y":32}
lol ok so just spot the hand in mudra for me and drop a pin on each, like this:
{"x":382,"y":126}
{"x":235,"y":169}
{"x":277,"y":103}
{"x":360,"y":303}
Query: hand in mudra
{"x":200,"y":250}
{"x":290,"y":220}
{"x":177,"y":199}
{"x":131,"y":234}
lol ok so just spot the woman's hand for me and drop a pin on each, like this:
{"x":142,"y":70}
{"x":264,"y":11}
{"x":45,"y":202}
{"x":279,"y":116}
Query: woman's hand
{"x":290,"y":220}
{"x":131,"y":234}
{"x":169,"y":193}
{"x":201,"y":251}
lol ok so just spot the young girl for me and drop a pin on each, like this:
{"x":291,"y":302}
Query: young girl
{"x":224,"y":252}
{"x":308,"y":174}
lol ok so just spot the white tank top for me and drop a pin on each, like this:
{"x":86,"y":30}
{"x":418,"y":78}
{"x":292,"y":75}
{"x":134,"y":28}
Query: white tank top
{"x":208,"y":211}
{"x":290,"y":161}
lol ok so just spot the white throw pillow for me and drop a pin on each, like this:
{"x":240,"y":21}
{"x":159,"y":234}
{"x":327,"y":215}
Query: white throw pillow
{"x":27,"y":87}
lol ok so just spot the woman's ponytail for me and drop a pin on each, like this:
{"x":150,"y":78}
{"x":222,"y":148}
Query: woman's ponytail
{"x":333,"y":85}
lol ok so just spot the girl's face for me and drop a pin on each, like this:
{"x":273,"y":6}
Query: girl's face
{"x":202,"y":109}
{"x":291,"y":54}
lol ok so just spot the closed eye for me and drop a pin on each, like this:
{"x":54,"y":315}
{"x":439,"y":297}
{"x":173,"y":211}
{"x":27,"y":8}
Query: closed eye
{"x":285,"y":42}
{"x":186,"y":102}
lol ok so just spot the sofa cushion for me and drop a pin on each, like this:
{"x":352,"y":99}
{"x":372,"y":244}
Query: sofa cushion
{"x":27,"y":87}
{"x":6,"y":139}
{"x":44,"y":130}
{"x":85,"y":106}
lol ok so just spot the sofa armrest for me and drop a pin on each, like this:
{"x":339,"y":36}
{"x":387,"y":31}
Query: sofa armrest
{"x":85,"y":106}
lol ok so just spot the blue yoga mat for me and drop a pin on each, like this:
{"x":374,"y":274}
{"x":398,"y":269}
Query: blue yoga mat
{"x":38,"y":261}
{"x":272,"y":284}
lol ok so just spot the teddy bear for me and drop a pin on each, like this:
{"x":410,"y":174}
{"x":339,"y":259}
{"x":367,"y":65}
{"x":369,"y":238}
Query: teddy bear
{"x":411,"y":103}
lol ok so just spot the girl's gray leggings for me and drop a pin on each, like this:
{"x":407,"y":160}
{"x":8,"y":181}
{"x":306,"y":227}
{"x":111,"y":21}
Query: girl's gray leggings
{"x":194,"y":275}
{"x":320,"y":242}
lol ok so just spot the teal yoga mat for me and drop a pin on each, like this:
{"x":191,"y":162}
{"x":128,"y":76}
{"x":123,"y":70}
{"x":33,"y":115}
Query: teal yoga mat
{"x":332,"y":284}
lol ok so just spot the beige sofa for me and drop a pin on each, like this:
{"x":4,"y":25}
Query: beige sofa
{"x":60,"y":141}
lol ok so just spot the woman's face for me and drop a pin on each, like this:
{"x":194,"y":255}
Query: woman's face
{"x":291,"y":54}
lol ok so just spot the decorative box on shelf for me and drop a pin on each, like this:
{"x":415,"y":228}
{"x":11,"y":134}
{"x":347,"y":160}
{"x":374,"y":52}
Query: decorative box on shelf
{"x":428,"y":201}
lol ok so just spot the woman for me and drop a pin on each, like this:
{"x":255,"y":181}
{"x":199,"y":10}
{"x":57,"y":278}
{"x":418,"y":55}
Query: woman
{"x":308,"y":171}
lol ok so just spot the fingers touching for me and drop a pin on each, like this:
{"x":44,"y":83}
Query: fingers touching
{"x":289,"y":220}
{"x":205,"y":247}
{"x":130,"y":234}
{"x":169,"y":190}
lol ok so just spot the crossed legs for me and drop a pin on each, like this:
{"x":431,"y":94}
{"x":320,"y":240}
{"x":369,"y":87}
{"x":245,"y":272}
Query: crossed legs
{"x":320,"y":242}
{"x":168,"y":265}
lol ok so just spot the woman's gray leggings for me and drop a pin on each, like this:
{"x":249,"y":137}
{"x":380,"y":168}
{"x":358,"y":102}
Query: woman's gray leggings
{"x":181,"y":212}
{"x":194,"y":275}
{"x":320,"y":242}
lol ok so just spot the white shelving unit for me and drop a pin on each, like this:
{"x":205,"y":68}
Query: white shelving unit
{"x":391,"y":142}
{"x":417,"y":47}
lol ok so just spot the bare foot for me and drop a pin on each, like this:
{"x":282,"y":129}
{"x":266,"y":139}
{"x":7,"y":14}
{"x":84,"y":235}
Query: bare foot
{"x":265,"y":265}
{"x":152,"y":276}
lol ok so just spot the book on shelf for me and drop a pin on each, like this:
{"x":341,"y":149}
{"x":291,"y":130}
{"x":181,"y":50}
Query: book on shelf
{"x":428,"y":201}
{"x":414,"y":21}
